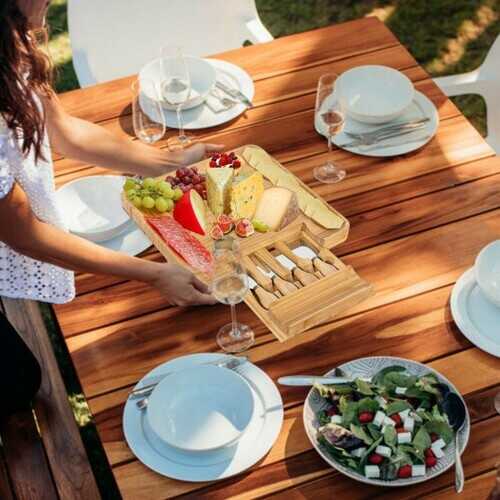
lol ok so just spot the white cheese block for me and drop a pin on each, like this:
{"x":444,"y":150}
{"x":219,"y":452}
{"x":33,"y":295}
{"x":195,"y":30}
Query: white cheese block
{"x":404,"y":437}
{"x":277,"y":208}
{"x":379,"y":418}
{"x":400,"y":390}
{"x":437,"y":450}
{"x":385,"y":451}
{"x":409,"y":424}
{"x":336,"y":419}
{"x":404,"y":414}
{"x":389,"y":421}
{"x":381,"y":401}
{"x":358,"y":452}
{"x":372,"y":471}
{"x":439,"y":443}
{"x":417,"y":470}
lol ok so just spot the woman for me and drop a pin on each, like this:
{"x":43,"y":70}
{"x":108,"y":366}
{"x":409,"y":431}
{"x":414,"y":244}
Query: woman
{"x":37,"y":256}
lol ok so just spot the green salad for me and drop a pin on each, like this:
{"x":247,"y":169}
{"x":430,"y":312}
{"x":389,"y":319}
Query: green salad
{"x":388,"y":427}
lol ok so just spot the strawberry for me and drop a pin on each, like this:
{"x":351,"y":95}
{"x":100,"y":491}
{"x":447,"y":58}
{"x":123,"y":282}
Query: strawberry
{"x":396,"y":418}
{"x":365,"y":417}
{"x":213,"y":164}
{"x":404,"y":471}
{"x":429,"y":453}
{"x":223,"y":161}
{"x":430,"y":461}
{"x":375,"y":459}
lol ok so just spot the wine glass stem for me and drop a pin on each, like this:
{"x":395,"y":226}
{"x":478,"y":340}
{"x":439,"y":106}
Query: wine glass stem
{"x":180,"y":123}
{"x":234,"y":324}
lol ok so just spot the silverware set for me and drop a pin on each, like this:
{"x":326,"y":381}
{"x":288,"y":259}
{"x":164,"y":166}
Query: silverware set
{"x":388,"y":132}
{"x":229,"y":97}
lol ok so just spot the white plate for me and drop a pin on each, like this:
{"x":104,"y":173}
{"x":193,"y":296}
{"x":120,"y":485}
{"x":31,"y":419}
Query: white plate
{"x":132,"y":242}
{"x":202,"y":116}
{"x":200,"y":409}
{"x":208,"y":466}
{"x":367,"y":367}
{"x":91,"y":207}
{"x":476,"y":317}
{"x":421,"y":107}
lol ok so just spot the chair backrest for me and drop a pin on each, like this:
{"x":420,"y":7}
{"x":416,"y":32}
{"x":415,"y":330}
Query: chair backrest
{"x":115,"y":38}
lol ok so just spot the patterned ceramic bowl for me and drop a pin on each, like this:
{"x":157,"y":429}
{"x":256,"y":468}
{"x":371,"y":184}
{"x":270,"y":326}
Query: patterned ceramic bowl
{"x":367,"y":367}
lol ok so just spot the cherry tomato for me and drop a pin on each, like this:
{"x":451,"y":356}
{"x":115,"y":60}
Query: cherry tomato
{"x":404,"y":471}
{"x":375,"y":459}
{"x":365,"y":417}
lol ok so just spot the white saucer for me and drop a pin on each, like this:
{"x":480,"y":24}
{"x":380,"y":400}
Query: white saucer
{"x":421,"y":107}
{"x":132,"y":242}
{"x":476,"y":317}
{"x":202,"y":116}
{"x":260,"y":435}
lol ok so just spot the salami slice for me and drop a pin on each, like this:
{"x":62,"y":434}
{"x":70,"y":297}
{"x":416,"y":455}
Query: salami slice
{"x":190,"y":248}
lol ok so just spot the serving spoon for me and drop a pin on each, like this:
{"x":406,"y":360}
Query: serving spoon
{"x":456,"y":412}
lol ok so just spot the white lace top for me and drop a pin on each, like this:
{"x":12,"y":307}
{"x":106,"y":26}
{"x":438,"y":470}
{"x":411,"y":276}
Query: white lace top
{"x":20,"y":276}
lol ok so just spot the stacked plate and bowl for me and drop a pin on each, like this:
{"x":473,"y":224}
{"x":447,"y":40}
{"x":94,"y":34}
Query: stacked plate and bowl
{"x":381,"y":103}
{"x":203,"y":421}
{"x":91,"y":208}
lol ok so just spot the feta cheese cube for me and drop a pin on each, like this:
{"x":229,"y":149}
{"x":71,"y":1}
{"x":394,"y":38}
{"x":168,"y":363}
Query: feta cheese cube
{"x":439,"y":443}
{"x":358,"y":452}
{"x":400,"y":390}
{"x":404,"y":437}
{"x":404,"y":414}
{"x":372,"y":471}
{"x":389,"y":421}
{"x":437,"y":450}
{"x":381,"y":401}
{"x":385,"y":451}
{"x":336,"y":419}
{"x":417,"y":470}
{"x":409,"y":424}
{"x":379,"y":418}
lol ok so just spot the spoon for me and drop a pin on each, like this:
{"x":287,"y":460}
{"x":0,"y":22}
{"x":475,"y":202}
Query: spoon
{"x":142,"y":403}
{"x":456,"y":412}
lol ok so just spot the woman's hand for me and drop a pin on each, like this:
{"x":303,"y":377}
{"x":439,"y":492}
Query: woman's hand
{"x":181,"y":287}
{"x":195,"y":153}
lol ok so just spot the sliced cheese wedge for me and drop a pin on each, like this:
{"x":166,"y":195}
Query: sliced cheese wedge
{"x":277,"y":208}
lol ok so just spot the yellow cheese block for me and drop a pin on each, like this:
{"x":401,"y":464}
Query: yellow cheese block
{"x":245,"y":195}
{"x":219,"y":181}
{"x":277,"y":208}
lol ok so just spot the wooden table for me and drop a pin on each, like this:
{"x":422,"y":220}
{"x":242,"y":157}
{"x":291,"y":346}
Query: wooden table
{"x":417,"y":223}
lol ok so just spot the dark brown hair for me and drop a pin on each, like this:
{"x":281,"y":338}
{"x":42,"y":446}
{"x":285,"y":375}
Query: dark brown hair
{"x":24,"y":70}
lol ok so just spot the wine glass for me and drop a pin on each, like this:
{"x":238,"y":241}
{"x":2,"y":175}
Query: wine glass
{"x":230,"y":285}
{"x":147,"y":114}
{"x":175,"y":84}
{"x":329,"y":111}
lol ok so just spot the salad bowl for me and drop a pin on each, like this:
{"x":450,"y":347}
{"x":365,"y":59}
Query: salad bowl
{"x":201,"y":409}
{"x":374,"y":433}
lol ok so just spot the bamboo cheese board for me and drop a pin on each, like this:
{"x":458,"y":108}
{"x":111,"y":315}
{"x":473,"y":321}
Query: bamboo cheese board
{"x":296,"y":281}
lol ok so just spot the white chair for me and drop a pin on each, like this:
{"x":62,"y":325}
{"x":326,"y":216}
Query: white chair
{"x":484,"y":81}
{"x":115,"y":38}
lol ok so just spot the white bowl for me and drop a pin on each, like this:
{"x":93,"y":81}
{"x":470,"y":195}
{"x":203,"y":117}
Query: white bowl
{"x":200,"y":409}
{"x":91,"y":207}
{"x":487,"y":271}
{"x":374,"y":94}
{"x":201,"y":73}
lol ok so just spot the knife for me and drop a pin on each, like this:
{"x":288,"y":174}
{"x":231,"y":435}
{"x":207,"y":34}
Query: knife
{"x":235,"y":94}
{"x":305,"y":380}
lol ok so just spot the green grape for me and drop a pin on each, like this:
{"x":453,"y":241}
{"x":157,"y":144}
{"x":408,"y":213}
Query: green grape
{"x":129,"y":184}
{"x":170,"y":204}
{"x":137,"y":202}
{"x":161,"y":205}
{"x":131,"y":194}
{"x":148,"y":202}
{"x":149,"y":183}
{"x":166,"y":189}
{"x":177,"y":194}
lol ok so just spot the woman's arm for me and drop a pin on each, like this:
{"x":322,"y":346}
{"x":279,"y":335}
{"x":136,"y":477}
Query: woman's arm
{"x":91,"y":143}
{"x":22,"y":231}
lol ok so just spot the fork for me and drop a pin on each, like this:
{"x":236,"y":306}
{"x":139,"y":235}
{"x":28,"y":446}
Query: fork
{"x":225,"y":101}
{"x":372,"y":141}
{"x":413,"y":125}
